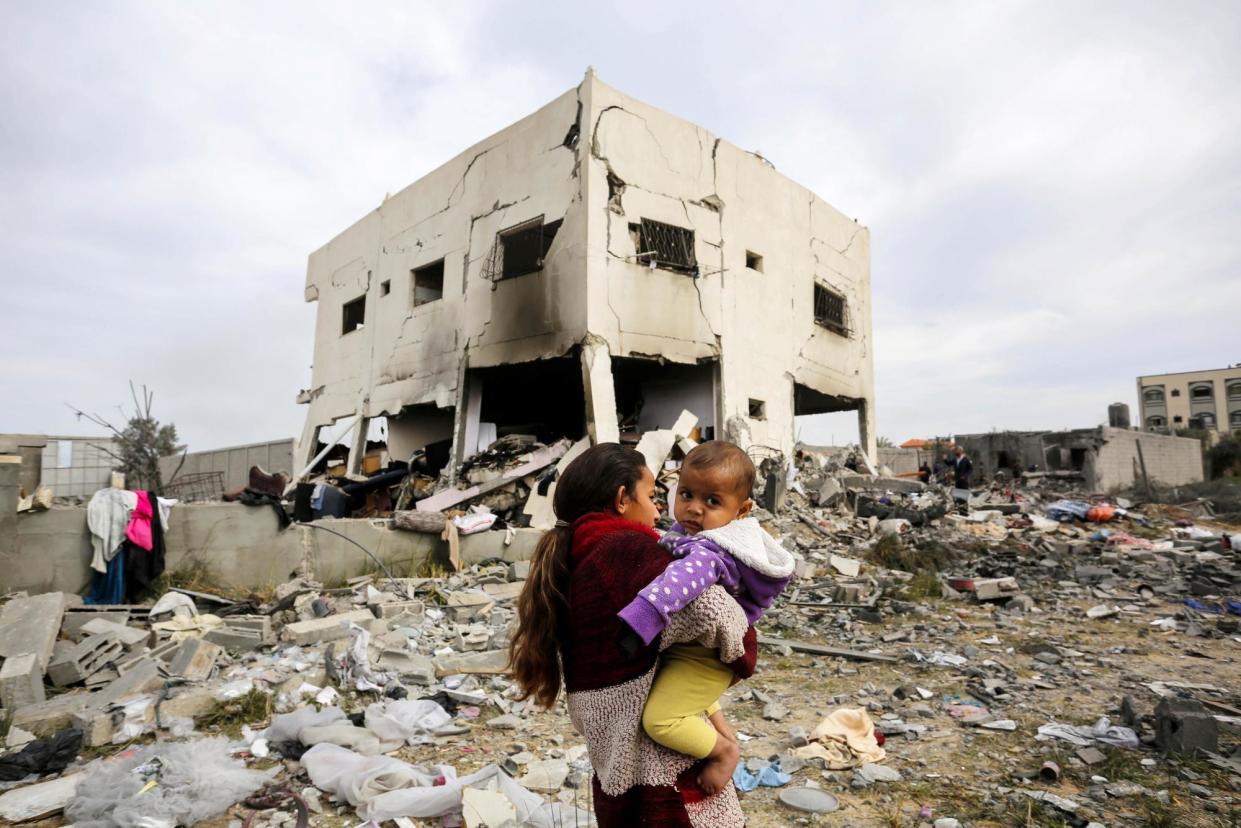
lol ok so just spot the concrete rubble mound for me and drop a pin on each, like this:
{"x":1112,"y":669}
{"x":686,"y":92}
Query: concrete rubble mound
{"x":1035,"y":649}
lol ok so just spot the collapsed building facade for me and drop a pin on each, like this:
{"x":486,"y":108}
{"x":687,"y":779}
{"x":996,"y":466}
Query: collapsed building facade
{"x":592,"y":270}
{"x":1105,"y":459}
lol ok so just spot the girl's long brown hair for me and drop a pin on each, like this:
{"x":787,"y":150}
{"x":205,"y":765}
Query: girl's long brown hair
{"x":589,"y":484}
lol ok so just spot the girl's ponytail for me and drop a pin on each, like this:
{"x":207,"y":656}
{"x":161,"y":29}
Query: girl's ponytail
{"x":589,"y":484}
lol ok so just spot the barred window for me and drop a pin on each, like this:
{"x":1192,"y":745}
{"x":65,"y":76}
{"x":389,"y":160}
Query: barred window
{"x":830,"y":310}
{"x":665,"y":245}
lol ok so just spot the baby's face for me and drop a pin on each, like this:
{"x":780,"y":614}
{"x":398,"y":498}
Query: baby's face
{"x":709,"y":498}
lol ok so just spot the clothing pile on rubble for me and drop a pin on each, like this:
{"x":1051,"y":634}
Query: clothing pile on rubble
{"x":127,"y":535}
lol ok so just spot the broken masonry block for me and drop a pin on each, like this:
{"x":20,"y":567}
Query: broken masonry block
{"x":21,"y":681}
{"x":1185,"y":726}
{"x":87,"y":658}
{"x":97,"y":726}
{"x":195,"y":659}
{"x":47,"y":718}
{"x":996,"y":589}
{"x":331,"y":628}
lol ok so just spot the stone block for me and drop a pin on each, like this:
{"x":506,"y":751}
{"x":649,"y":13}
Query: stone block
{"x":235,"y":640}
{"x":143,"y":677}
{"x":21,"y":682}
{"x":331,"y":628}
{"x":1185,"y":726}
{"x":195,"y":659}
{"x":87,"y":658}
{"x":31,"y":625}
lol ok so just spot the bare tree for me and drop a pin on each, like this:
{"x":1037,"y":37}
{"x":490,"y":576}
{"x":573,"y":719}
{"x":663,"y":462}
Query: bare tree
{"x":138,"y":447}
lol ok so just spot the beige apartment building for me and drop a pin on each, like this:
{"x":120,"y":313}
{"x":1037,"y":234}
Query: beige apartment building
{"x":593,"y":269}
{"x":1206,"y":400}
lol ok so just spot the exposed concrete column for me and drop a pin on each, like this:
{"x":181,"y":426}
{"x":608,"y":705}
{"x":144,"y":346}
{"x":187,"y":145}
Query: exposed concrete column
{"x":307,"y":446}
{"x":867,"y":439}
{"x":10,"y":472}
{"x":600,"y":391}
{"x":357,"y":445}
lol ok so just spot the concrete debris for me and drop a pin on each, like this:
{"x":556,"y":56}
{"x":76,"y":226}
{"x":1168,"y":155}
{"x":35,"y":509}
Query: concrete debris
{"x":930,"y":637}
{"x":31,"y":625}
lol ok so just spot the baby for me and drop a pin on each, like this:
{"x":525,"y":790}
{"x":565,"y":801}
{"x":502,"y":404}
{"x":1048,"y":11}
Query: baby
{"x":714,"y":541}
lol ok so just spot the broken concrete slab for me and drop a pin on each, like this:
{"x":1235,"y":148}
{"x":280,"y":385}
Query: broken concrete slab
{"x":392,"y":609}
{"x":538,"y":459}
{"x":78,"y":617}
{"x":21,"y":681}
{"x":31,"y":625}
{"x":492,"y":662}
{"x":195,"y":659}
{"x":996,"y":589}
{"x":40,"y":800}
{"x":331,"y":628}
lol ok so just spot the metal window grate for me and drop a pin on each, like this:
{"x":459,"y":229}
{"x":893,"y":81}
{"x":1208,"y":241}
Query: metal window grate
{"x":666,"y":245}
{"x":196,"y":487}
{"x":830,"y":310}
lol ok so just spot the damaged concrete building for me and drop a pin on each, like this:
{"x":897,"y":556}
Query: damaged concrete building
{"x":1106,"y":459}
{"x":593,"y":269}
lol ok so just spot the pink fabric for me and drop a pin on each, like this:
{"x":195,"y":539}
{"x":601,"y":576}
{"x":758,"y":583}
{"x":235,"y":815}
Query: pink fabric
{"x":139,"y":529}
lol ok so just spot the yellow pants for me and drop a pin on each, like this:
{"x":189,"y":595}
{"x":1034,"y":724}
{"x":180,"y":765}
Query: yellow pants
{"x":688,"y":686}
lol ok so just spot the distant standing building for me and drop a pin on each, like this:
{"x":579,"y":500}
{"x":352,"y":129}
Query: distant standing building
{"x":69,"y":466}
{"x":1203,"y":400}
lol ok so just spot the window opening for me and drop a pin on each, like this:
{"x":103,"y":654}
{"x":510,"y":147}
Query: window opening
{"x":385,"y":287}
{"x":1234,"y":391}
{"x":1160,"y":422}
{"x":1178,"y":419}
{"x":1234,"y":419}
{"x":1202,"y":392}
{"x":353,"y":315}
{"x":829,"y":310}
{"x":665,"y":245}
{"x":521,"y":249}
{"x":753,"y":261}
{"x":428,"y":283}
{"x":1153,"y":395}
{"x":758,"y":409}
{"x":1176,"y":392}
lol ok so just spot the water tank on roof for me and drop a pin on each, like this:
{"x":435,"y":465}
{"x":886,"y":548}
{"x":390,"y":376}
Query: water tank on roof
{"x":1118,"y":415}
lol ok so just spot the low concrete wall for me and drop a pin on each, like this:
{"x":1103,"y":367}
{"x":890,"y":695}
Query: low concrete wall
{"x":1172,"y":461}
{"x":243,"y":547}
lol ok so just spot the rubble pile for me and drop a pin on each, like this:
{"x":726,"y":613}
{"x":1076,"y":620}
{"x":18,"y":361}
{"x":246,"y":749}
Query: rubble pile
{"x":1041,"y":652}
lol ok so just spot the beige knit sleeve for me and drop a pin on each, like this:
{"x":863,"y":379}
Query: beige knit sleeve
{"x":713,"y":620}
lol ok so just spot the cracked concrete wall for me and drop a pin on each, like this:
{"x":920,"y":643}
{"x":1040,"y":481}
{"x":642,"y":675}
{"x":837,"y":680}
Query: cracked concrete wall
{"x":406,"y":355}
{"x":601,"y":161}
{"x":644,"y":163}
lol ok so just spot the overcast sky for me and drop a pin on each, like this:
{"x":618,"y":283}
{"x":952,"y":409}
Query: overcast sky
{"x":1053,"y":189}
